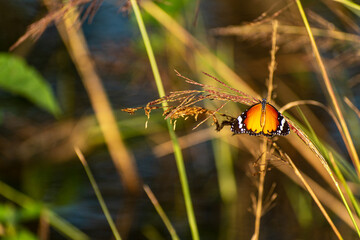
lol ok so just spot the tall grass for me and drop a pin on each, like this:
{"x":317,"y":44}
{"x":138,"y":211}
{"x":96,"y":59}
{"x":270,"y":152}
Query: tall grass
{"x":98,"y":193}
{"x":329,"y":187}
{"x":189,"y":41}
{"x":177,"y":149}
{"x":330,"y":89}
{"x":76,"y":44}
{"x":54,"y":220}
{"x":264,"y":146}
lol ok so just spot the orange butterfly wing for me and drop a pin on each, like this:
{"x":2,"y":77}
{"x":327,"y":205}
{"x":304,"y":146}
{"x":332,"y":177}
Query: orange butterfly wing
{"x":252,"y":120}
{"x":255,"y":121}
{"x":271,"y":120}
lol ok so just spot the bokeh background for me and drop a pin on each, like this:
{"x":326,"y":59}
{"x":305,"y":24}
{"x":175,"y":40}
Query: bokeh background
{"x":45,"y":111}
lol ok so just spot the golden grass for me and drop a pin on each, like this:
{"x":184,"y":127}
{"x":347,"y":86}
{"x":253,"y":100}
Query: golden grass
{"x":185,"y":104}
{"x":74,"y":40}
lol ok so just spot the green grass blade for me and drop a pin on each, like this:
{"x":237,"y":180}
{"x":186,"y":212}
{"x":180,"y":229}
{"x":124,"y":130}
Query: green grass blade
{"x":161,"y":213}
{"x":343,"y":198}
{"x":177,"y":150}
{"x":354,"y":7}
{"x":346,"y":186}
{"x":347,"y":137}
{"x":98,"y":194}
{"x":55,"y":221}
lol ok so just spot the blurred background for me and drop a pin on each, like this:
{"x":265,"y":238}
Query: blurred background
{"x":47,"y":108}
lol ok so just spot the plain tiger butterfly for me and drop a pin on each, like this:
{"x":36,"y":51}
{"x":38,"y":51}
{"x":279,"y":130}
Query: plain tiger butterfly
{"x":261,"y":118}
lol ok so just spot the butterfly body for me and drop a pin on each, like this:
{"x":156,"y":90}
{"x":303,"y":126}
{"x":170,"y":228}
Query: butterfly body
{"x":261,"y":118}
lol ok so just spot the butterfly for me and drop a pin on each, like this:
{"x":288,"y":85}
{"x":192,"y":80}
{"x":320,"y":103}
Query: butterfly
{"x":261,"y":118}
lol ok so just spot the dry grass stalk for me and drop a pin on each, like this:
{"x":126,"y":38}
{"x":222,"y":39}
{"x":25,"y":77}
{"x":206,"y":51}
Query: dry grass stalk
{"x":36,"y":29}
{"x":352,"y":106}
{"x":330,"y":90}
{"x":79,"y":52}
{"x":259,"y":206}
{"x":287,"y":159}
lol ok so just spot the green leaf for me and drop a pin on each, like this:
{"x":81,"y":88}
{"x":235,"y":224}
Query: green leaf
{"x":17,"y":77}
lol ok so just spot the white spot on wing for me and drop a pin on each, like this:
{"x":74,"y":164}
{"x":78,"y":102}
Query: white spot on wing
{"x":282,"y":123}
{"x":240,"y":121}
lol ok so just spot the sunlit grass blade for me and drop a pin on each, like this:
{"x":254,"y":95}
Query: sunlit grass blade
{"x":226,"y":73}
{"x":348,"y":140}
{"x":161,"y":212}
{"x":74,"y":39}
{"x":348,"y":191}
{"x":177,"y":149}
{"x":346,"y":167}
{"x":55,"y":221}
{"x":354,"y":7}
{"x":313,"y":195}
{"x":98,"y":194}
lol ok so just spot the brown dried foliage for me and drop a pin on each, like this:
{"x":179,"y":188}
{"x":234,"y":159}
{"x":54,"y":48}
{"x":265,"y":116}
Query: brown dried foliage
{"x":36,"y":29}
{"x":182,"y":103}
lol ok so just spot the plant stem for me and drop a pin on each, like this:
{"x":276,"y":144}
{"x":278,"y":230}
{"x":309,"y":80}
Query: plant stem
{"x":309,"y":189}
{"x":161,"y":212}
{"x":263,"y":165}
{"x":177,"y":149}
{"x":348,"y":140}
{"x":55,"y":221}
{"x":342,"y":195}
{"x":73,"y":38}
{"x":98,"y":194}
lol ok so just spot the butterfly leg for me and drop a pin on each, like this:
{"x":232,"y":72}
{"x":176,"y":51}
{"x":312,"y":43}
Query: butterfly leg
{"x":224,"y":123}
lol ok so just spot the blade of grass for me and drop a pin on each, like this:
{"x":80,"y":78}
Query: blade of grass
{"x":352,"y":106}
{"x":252,"y":30}
{"x":195,"y":45}
{"x":311,"y":192}
{"x":73,"y":37}
{"x":324,"y":196}
{"x":161,"y":212}
{"x":177,"y":150}
{"x":348,"y":140}
{"x":346,"y":186}
{"x":342,"y":196}
{"x":55,"y":221}
{"x":223,"y":70}
{"x":98,"y":193}
{"x":351,"y":5}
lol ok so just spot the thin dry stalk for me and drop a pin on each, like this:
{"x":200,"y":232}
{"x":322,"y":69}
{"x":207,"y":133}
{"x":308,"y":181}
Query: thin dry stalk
{"x":325,"y":197}
{"x":161,"y":212}
{"x":210,"y":115}
{"x":36,"y":29}
{"x":311,"y":192}
{"x":315,"y":103}
{"x":79,"y":52}
{"x":272,"y":67}
{"x":188,"y":40}
{"x":348,"y":140}
{"x":352,"y":106}
{"x":250,"y":31}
